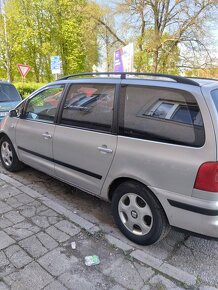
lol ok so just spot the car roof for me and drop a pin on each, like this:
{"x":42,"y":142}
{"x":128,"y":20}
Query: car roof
{"x":5,"y":82}
{"x":205,"y":81}
{"x":195,"y":81}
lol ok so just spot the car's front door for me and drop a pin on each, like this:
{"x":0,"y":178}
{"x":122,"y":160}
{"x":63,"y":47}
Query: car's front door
{"x":84,"y":145}
{"x":35,"y":130}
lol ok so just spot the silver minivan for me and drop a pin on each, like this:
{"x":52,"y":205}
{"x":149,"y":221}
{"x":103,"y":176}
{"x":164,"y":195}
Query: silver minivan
{"x":145,"y":142}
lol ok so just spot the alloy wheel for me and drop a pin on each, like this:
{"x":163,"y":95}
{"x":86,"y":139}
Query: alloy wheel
{"x":135,"y":214}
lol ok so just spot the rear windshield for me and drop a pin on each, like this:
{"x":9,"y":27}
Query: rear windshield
{"x":215,"y":98}
{"x":8,"y":93}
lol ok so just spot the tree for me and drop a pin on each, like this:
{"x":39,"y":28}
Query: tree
{"x":45,"y":28}
{"x":162,"y":27}
{"x":107,"y":32}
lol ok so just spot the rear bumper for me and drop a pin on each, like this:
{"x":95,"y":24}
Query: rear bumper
{"x":190,"y":213}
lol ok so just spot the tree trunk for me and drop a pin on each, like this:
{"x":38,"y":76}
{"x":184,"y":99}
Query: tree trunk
{"x":155,"y":61}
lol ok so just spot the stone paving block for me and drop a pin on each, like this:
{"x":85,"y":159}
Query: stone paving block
{"x":68,"y":228}
{"x":160,"y":282}
{"x":14,"y":217}
{"x":49,"y":213}
{"x":57,"y":234}
{"x":147,"y":287}
{"x":3,"y":286}
{"x":205,"y":287}
{"x":55,"y":285}
{"x":3,"y":260}
{"x":24,"y":198}
{"x":22,"y":230}
{"x":4,"y":207}
{"x":4,"y":223}
{"x":144,"y":272}
{"x":118,"y":243}
{"x":75,"y":282}
{"x":7,"y":270}
{"x":5,"y":240}
{"x":27,"y":210}
{"x":54,"y":219}
{"x":30,"y":192}
{"x":47,"y":241}
{"x":40,"y":208}
{"x":17,"y":256}
{"x":33,"y":246}
{"x":56,"y":262}
{"x":124,"y":273}
{"x":10,"y":180}
{"x":5,"y":266}
{"x":117,"y":287}
{"x":13,"y":202}
{"x":146,"y":259}
{"x":41,"y":221}
{"x":93,"y":230}
{"x":178,"y":274}
{"x":33,"y":276}
{"x":8,"y":191}
{"x":163,"y":249}
{"x":67,"y":213}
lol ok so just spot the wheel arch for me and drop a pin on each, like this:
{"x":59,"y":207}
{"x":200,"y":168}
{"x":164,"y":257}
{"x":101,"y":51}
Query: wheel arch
{"x":115,"y":183}
{"x":2,"y":134}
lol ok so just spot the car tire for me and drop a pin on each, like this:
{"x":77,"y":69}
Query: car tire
{"x":138,"y":214}
{"x":8,"y":155}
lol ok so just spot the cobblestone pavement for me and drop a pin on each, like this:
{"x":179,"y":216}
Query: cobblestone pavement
{"x":39,"y":219}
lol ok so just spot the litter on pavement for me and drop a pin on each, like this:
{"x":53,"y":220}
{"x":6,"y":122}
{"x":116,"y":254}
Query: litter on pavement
{"x":92,"y":260}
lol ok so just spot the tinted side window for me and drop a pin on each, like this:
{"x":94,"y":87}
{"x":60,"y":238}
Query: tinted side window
{"x":164,"y":115}
{"x":43,"y":106}
{"x":89,"y":106}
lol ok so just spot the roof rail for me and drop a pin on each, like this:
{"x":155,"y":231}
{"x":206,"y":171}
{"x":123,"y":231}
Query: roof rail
{"x":202,"y":78}
{"x":123,"y":75}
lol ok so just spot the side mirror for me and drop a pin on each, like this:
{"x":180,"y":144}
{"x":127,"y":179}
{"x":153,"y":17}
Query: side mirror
{"x":12,"y":113}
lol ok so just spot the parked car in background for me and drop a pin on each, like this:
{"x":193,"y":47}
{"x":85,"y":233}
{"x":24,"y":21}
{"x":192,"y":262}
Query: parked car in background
{"x":145,"y":142}
{"x":9,"y":98}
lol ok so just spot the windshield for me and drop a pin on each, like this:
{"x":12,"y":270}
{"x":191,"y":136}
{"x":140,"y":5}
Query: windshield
{"x":8,"y":93}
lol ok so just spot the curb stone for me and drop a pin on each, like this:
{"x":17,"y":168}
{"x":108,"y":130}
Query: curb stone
{"x":155,"y":263}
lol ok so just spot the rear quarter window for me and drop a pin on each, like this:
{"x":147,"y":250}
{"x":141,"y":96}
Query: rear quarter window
{"x":163,"y":115}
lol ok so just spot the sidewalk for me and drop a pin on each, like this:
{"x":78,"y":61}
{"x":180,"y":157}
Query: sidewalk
{"x":36,"y":253}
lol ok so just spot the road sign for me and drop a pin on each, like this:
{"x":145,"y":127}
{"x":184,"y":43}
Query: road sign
{"x":23,"y":69}
{"x":56,"y":64}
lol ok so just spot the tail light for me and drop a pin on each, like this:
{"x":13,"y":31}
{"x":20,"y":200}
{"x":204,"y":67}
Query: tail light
{"x":207,"y":177}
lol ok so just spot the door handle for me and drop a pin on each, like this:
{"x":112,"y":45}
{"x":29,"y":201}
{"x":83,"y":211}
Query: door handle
{"x":104,"y":149}
{"x":46,"y":135}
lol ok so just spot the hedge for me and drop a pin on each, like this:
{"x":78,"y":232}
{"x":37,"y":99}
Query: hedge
{"x":26,"y":89}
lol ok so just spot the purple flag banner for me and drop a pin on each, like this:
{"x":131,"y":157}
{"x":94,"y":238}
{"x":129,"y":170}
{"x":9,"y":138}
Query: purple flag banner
{"x":123,"y":59}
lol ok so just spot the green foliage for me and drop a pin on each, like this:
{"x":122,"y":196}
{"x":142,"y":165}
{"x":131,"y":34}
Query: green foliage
{"x":37,"y":30}
{"x":26,"y":89}
{"x":168,"y":55}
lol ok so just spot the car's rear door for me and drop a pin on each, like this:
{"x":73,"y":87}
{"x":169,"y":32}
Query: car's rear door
{"x":85,"y":140}
{"x":35,"y":130}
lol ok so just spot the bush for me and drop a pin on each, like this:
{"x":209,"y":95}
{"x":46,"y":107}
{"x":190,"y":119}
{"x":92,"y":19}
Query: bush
{"x":26,"y":89}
